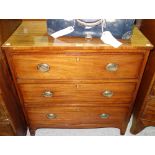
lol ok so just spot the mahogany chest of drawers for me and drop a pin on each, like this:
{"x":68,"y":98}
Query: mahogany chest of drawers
{"x":144,"y":113}
{"x":12,"y":121}
{"x":74,"y":82}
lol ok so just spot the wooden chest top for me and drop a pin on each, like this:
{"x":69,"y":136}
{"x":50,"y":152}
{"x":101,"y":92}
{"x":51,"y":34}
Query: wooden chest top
{"x":33,"y":34}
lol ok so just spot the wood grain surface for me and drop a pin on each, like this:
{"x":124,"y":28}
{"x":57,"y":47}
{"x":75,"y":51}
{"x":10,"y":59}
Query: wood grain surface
{"x":12,"y":121}
{"x":84,"y":67}
{"x":144,"y":112}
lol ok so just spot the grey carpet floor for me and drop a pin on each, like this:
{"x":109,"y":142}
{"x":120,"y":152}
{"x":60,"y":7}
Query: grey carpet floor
{"x":149,"y":131}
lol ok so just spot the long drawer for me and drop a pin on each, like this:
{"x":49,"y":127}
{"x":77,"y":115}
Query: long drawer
{"x":64,"y":67}
{"x":68,"y":116}
{"x":65,"y":93}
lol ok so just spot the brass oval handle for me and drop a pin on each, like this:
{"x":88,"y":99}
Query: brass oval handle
{"x":43,"y":67}
{"x":112,"y":67}
{"x":107,"y":93}
{"x":104,"y":116}
{"x":51,"y":116}
{"x":47,"y":94}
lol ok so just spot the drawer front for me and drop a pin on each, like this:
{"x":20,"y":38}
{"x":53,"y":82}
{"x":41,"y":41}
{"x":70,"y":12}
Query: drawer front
{"x":6,"y":129}
{"x":149,"y":112}
{"x":152,"y":93}
{"x":77,"y":67}
{"x":62,"y":93}
{"x":75,"y":115}
{"x":2,"y":112}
